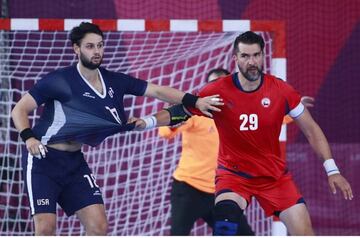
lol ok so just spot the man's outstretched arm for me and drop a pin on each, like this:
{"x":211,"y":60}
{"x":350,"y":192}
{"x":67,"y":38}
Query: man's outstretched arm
{"x":174,"y":96}
{"x":167,"y":117}
{"x":319,"y":143}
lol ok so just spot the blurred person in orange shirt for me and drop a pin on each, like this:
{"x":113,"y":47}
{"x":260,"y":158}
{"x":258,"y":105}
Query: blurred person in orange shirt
{"x":193,"y":188}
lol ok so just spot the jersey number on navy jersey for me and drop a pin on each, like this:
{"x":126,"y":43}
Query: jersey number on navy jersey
{"x":91,"y":179}
{"x":114,"y":113}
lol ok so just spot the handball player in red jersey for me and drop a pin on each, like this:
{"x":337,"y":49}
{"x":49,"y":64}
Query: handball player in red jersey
{"x":249,"y":162}
{"x":249,"y":124}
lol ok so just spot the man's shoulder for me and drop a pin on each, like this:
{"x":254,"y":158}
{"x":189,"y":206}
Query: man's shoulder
{"x":61,"y":71}
{"x":113,"y":75}
{"x":272,"y":79}
{"x":280,"y":86}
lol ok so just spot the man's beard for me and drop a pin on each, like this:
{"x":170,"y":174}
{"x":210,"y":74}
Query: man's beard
{"x":251,"y":77}
{"x":88,"y":64}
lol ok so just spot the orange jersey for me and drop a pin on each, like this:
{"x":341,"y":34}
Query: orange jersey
{"x":200,"y":144}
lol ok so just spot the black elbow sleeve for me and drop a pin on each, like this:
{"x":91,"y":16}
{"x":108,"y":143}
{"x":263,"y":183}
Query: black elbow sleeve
{"x":177,"y":114}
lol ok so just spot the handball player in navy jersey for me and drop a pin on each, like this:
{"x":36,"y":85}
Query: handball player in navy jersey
{"x":83,"y":104}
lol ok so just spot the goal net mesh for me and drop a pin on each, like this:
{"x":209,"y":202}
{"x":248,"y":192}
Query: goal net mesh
{"x":133,"y":169}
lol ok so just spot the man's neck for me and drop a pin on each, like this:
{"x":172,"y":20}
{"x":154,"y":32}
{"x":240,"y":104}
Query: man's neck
{"x":248,"y":85}
{"x":90,"y":75}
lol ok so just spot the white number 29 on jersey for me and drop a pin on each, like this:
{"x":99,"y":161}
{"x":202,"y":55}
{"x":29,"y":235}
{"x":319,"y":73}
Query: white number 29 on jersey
{"x":248,"y":122}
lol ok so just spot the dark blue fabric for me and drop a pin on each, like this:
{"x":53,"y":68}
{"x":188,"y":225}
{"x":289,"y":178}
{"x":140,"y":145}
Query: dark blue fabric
{"x":77,"y":112}
{"x":60,"y":178}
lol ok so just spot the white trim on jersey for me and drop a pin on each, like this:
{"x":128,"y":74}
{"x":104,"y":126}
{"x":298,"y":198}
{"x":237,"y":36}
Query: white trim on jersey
{"x":297,"y":111}
{"x":58,"y":122}
{"x":29,"y":182}
{"x":103,"y":95}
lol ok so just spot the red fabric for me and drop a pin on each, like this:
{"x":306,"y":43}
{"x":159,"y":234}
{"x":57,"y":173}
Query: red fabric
{"x":157,"y":25}
{"x":106,"y":25}
{"x":273,"y":195}
{"x":5,"y":24}
{"x":246,"y":145}
{"x":210,"y":25}
{"x":51,"y":24}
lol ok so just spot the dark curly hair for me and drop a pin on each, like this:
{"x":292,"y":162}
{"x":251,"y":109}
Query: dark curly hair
{"x":79,"y":32}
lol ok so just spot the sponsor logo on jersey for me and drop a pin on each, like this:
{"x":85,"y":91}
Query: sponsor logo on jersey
{"x":97,"y":193}
{"x":265,"y":102}
{"x":111,"y":92}
{"x":87,"y":94}
{"x":42,"y":202}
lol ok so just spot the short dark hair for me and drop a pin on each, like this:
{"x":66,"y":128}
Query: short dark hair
{"x":79,"y":32}
{"x":248,"y":37}
{"x":218,"y":71}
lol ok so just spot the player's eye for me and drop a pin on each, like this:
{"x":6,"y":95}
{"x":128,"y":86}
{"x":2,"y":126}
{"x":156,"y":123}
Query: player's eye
{"x":245,"y":56}
{"x":257,"y":54}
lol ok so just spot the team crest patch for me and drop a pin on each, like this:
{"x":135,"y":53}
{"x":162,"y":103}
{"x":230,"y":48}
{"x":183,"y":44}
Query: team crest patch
{"x":265,"y":102}
{"x":111,"y":92}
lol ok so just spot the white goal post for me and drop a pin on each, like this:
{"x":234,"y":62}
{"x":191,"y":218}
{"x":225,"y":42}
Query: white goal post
{"x":133,"y":169}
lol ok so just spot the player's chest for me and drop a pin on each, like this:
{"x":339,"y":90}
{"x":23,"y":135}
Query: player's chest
{"x":91,"y":100}
{"x":253,"y":110}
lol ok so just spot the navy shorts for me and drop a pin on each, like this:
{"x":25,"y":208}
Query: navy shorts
{"x":62,"y":177}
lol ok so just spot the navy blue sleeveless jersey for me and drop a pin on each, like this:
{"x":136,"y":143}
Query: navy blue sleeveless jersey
{"x":75,"y":111}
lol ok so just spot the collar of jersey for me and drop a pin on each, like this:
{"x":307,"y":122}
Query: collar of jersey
{"x":236,"y":81}
{"x":103,"y":95}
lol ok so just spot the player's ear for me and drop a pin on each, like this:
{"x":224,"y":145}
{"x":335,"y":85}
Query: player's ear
{"x":234,"y":57}
{"x":76,"y":48}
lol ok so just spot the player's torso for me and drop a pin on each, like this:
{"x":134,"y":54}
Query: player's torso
{"x":255,"y":113}
{"x":80,"y":109}
{"x":200,"y":145}
{"x":102,"y":104}
{"x":249,"y":126}
{"x":200,"y":142}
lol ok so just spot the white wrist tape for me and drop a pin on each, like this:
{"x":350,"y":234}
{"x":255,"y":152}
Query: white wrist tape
{"x":150,"y":122}
{"x":330,"y":167}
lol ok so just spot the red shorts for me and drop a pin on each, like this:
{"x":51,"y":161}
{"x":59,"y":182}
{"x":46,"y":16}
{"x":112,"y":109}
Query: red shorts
{"x":274,"y":196}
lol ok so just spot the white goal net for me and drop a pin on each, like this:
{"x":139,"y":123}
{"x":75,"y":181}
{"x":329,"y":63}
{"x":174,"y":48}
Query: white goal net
{"x":133,"y":169}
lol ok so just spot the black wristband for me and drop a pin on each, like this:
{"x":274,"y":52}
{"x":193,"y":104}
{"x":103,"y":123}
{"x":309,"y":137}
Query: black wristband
{"x":189,"y":100}
{"x":26,"y":134}
{"x":177,"y":114}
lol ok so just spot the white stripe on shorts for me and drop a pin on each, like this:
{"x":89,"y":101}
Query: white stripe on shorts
{"x":28,"y":182}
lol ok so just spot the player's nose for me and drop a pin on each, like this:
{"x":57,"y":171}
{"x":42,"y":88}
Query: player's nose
{"x":251,"y":60}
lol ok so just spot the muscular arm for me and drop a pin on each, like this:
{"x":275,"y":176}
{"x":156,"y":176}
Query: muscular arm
{"x":164,"y":93}
{"x":314,"y":135}
{"x":307,"y":101}
{"x":171,"y":116}
{"x":20,"y":118}
{"x":174,"y":96}
{"x":21,"y":111}
{"x":319,"y":143}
